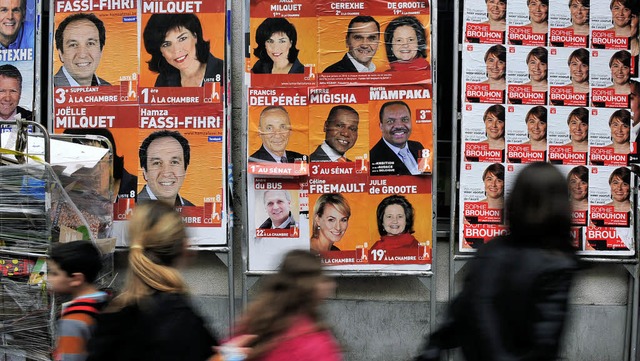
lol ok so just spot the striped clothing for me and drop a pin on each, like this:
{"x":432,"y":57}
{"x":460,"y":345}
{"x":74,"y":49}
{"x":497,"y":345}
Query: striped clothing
{"x":75,"y":326}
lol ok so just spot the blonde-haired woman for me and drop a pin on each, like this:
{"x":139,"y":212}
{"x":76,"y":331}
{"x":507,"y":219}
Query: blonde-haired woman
{"x":152,"y":318}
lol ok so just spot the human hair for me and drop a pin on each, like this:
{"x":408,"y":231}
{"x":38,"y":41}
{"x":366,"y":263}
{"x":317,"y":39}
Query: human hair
{"x":156,"y":30}
{"x":498,"y":50}
{"x":272,"y":26}
{"x":287,"y":196}
{"x":496,"y":110}
{"x":333,"y":113}
{"x":629,"y":4}
{"x":77,"y":257}
{"x":408,"y":212}
{"x":186,"y":150}
{"x":584,"y":3}
{"x":581,"y":172}
{"x":500,"y":1}
{"x":334,"y":199}
{"x":273,"y":107}
{"x":361,"y":19}
{"x":623,"y":173}
{"x":284,"y":296}
{"x":622,"y":56}
{"x":59,"y":36}
{"x":496,"y":169}
{"x":582,"y":55}
{"x":387,"y":104}
{"x":539,"y":53}
{"x":623,"y":115}
{"x":10,"y":71}
{"x":544,"y":2}
{"x":635,"y":87}
{"x":157,"y":239}
{"x":538,"y":209}
{"x":582,"y":114}
{"x":118,"y":161}
{"x":539,"y":112}
{"x":413,"y":22}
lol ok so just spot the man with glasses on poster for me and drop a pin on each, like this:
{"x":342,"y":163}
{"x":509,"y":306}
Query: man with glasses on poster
{"x":274,"y":129}
{"x":15,"y":31}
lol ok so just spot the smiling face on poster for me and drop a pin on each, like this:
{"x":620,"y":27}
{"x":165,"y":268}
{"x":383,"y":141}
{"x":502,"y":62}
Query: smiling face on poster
{"x":485,"y":23}
{"x":569,"y":25}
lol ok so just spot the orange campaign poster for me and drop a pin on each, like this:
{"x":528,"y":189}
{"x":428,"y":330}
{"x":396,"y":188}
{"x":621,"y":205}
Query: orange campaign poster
{"x":182,"y":47}
{"x":374,"y":42}
{"x":95,"y":52}
{"x":283,"y":43}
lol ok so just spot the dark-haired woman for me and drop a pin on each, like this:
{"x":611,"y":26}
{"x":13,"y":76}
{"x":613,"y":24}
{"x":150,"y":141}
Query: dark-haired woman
{"x":179,"y":53}
{"x":276,"y":51}
{"x":395,"y":217}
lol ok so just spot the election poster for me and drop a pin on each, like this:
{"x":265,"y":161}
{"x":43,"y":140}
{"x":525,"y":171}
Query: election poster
{"x":569,"y":73}
{"x":149,"y":76}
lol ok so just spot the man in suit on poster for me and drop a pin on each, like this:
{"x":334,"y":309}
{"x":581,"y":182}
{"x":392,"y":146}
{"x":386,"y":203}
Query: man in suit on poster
{"x":341,"y":134}
{"x":80,"y":39}
{"x":10,"y":93}
{"x":277,"y":204}
{"x":363,"y":38}
{"x":274,"y":129}
{"x":395,"y":153}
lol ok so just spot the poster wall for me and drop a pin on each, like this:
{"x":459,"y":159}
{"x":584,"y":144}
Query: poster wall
{"x":340,"y":133}
{"x":551,"y":81}
{"x":150,"y":76}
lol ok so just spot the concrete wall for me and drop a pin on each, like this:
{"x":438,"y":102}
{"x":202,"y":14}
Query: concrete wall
{"x":386,"y":318}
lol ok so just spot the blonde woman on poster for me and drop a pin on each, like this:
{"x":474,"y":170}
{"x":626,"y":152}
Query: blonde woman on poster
{"x":619,"y":183}
{"x":395,"y":216}
{"x":578,"y":179}
{"x":495,"y":60}
{"x":406,"y":44}
{"x":579,"y":70}
{"x":179,"y":53}
{"x":276,"y":50}
{"x":330,"y":222}
{"x":619,"y":123}
{"x":578,"y":122}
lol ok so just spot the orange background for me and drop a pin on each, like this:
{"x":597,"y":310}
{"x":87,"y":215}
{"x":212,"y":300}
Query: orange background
{"x":204,"y":173}
{"x":358,"y":228}
{"x":213,"y":29}
{"x":421,"y":217}
{"x":332,"y":45}
{"x":421,"y":132}
{"x":298,"y":138}
{"x":317,"y":116}
{"x":120,"y":53}
{"x":306,"y":29}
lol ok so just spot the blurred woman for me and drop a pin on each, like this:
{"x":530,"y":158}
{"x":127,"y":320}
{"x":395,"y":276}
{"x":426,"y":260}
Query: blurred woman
{"x":495,"y":60}
{"x":179,"y":53}
{"x":578,"y":179}
{"x":395,"y":217}
{"x":539,"y":16}
{"x":496,"y":14}
{"x":536,"y":121}
{"x":624,"y":16}
{"x":579,"y":10}
{"x":537,"y":65}
{"x":152,"y":319}
{"x":579,"y":70}
{"x":330,"y":221}
{"x":619,"y":183}
{"x":578,"y":122}
{"x":494,"y":126}
{"x":493,"y":179}
{"x":619,"y":123}
{"x":405,"y":41}
{"x":285,"y":315}
{"x":276,"y":51}
{"x":514,"y":301}
{"x":620,"y":65}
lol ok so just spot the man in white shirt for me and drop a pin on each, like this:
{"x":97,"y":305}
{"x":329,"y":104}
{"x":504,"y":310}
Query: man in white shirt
{"x":341,"y":134}
{"x":363,"y":38}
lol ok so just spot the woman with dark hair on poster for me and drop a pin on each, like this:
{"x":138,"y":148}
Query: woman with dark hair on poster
{"x":513,"y":305}
{"x":620,"y":125}
{"x":405,"y":41}
{"x":578,"y":122}
{"x":276,"y":51}
{"x":395,"y":217}
{"x":578,"y":179}
{"x":578,"y":63}
{"x":620,"y":66}
{"x":619,"y":183}
{"x":495,"y":60}
{"x":179,"y":53}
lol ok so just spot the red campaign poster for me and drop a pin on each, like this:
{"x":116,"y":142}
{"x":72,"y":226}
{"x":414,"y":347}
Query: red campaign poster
{"x":400,"y":131}
{"x":484,"y":69}
{"x":95,"y":59}
{"x":283,"y":43}
{"x":339,"y":127}
{"x":485,"y":22}
{"x":119,"y":124}
{"x":374,"y":42}
{"x":610,"y":78}
{"x":568,"y":135}
{"x":483,"y":133}
{"x":527,"y":75}
{"x":528,"y":23}
{"x":278,"y":131}
{"x":578,"y":181}
{"x":176,"y":145}
{"x":609,"y":137}
{"x":182,"y":52}
{"x":526,"y":134}
{"x":569,"y":23}
{"x":569,"y":76}
{"x":613,"y":25}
